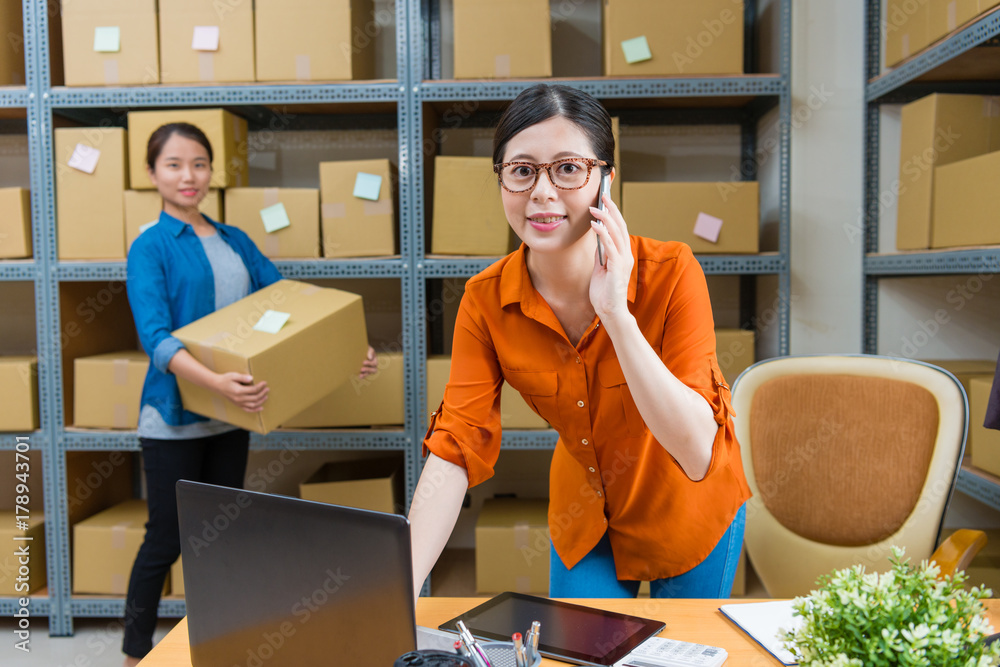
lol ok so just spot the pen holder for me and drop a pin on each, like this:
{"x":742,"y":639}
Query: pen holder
{"x":501,"y":654}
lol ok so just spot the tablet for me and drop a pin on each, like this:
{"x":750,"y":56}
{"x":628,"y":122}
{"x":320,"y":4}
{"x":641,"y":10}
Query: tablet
{"x":569,"y":632}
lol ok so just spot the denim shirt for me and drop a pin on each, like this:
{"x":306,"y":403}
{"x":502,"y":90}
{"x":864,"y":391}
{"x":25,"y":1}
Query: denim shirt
{"x":170,"y":284}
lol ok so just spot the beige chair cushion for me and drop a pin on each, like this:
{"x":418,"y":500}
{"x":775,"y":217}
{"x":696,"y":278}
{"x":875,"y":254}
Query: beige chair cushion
{"x":841,"y":459}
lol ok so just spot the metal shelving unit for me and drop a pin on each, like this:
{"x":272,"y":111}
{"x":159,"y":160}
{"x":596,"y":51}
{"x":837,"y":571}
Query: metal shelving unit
{"x":900,"y":85}
{"x":737,"y":100}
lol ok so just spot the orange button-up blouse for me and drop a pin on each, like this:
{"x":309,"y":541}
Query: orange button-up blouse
{"x":608,"y":471}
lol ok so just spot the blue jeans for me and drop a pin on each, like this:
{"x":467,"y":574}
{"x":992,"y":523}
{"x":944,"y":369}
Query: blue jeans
{"x":594,"y":576}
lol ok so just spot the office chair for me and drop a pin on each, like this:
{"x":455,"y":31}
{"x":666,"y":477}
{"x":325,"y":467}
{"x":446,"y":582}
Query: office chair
{"x":846,"y":456}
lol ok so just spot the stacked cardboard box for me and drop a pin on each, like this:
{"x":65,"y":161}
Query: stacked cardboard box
{"x":515,"y":412}
{"x":315,"y":40}
{"x":468,"y":215}
{"x":108,"y":389}
{"x":15,"y":223}
{"x":295,"y":358}
{"x":673,"y":37}
{"x":499,"y":40}
{"x":18,"y":393}
{"x":965,"y":370}
{"x":734,"y":349}
{"x":907,"y":29}
{"x":512,"y":546}
{"x":371,"y":484}
{"x":282,"y":222}
{"x":12,"y":50}
{"x":226,"y":132}
{"x":12,"y":581}
{"x":110,"y":42}
{"x":938,"y":130}
{"x":91,"y":179}
{"x":202,"y":41}
{"x":986,"y":448}
{"x":695,"y":213}
{"x":105,"y":546}
{"x":357,"y":208}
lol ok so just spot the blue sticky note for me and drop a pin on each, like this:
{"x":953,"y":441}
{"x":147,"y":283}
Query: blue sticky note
{"x":107,"y":39}
{"x":636,"y":50}
{"x":367,"y":186}
{"x":275,"y":218}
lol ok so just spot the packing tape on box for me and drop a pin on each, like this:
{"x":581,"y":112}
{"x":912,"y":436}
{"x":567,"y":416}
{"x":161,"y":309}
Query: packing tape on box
{"x":206,"y":65}
{"x":308,"y":290}
{"x":118,"y":533}
{"x":119,"y":372}
{"x":991,"y":107}
{"x":118,"y":582}
{"x":271,"y":196}
{"x":111,"y":71}
{"x":119,"y":416}
{"x":218,"y":407}
{"x":522,"y":534}
{"x":952,"y":15}
{"x":272,"y":245}
{"x":522,"y":584}
{"x":334,"y":210}
{"x":906,"y":45}
{"x":303,"y":67}
{"x":501,"y":66}
{"x":380,"y":207}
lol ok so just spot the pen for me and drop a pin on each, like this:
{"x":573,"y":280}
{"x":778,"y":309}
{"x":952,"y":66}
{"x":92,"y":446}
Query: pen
{"x":532,"y":647}
{"x":476,"y":651}
{"x":518,"y":650}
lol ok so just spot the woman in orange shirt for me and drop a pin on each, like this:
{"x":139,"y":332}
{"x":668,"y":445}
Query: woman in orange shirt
{"x":646,"y":482}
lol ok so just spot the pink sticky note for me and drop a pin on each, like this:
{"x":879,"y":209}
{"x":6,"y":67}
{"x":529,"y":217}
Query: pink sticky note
{"x":708,"y":227}
{"x":205,"y":38}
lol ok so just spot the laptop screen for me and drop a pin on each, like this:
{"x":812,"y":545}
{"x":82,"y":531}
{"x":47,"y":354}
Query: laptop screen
{"x":277,"y":581}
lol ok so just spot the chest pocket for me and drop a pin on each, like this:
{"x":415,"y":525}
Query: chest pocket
{"x":538,"y":388}
{"x":617,"y":403}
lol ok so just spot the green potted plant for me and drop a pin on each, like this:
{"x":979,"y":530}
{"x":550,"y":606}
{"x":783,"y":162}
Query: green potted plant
{"x":906,"y":616}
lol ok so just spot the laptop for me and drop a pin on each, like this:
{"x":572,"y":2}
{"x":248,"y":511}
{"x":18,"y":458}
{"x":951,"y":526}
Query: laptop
{"x":282,"y":582}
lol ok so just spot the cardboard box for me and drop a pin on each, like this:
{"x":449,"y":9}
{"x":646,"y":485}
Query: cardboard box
{"x":965,"y":370}
{"x":108,"y":389}
{"x":352,"y":226}
{"x":616,"y":185}
{"x":300,"y":239}
{"x":512,"y":546}
{"x":137,"y":58}
{"x":986,"y":448}
{"x":945,"y":16}
{"x":142,"y":208}
{"x":500,"y":40}
{"x":10,"y":564}
{"x":19,"y":393}
{"x":90,"y":212}
{"x":177,"y":578}
{"x":938,"y":130}
{"x":986,"y":5}
{"x":514,"y":410}
{"x":370,"y":484}
{"x":97,"y":480}
{"x":906,"y":30}
{"x":232,"y":59}
{"x":315,"y":40}
{"x":468,"y":214}
{"x":734,"y":349}
{"x":965,"y":203}
{"x":669,"y":211}
{"x":105,"y":546}
{"x":15,"y":223}
{"x":12,"y":50}
{"x":684,"y":38}
{"x":226,"y":132}
{"x":377,"y":400}
{"x":320,"y":347}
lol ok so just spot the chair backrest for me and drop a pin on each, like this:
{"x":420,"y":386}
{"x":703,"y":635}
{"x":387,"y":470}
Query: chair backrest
{"x":846,"y":456}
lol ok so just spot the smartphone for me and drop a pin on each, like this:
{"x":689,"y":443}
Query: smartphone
{"x":605,"y":189}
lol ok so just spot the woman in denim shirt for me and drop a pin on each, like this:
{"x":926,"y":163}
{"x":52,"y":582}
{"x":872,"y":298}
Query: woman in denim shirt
{"x":182,"y":268}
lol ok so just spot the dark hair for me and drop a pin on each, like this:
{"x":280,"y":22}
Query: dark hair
{"x":544,"y":101}
{"x":162,"y":135}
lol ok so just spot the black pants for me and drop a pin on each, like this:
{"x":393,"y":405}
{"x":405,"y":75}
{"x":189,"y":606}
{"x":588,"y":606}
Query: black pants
{"x":218,"y":459}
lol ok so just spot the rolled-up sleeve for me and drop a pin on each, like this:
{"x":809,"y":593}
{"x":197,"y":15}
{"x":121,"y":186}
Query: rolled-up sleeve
{"x":465,"y":429}
{"x":147,"y":295}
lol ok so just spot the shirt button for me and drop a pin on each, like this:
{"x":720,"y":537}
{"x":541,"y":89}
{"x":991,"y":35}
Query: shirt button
{"x":578,"y":360}
{"x":591,"y":469}
{"x":585,"y":441}
{"x":599,"y":494}
{"x":579,"y":404}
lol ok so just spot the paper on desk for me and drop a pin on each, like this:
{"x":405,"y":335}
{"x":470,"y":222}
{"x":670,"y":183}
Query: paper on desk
{"x":763,"y":621}
{"x":663,"y":652}
{"x":271,"y":321}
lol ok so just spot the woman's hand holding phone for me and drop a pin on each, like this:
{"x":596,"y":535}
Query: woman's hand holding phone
{"x":609,"y":283}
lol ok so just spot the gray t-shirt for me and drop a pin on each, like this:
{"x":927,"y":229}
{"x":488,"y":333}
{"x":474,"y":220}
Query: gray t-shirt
{"x":232,"y":283}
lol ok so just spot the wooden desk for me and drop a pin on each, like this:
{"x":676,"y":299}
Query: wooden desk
{"x":688,"y":620}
